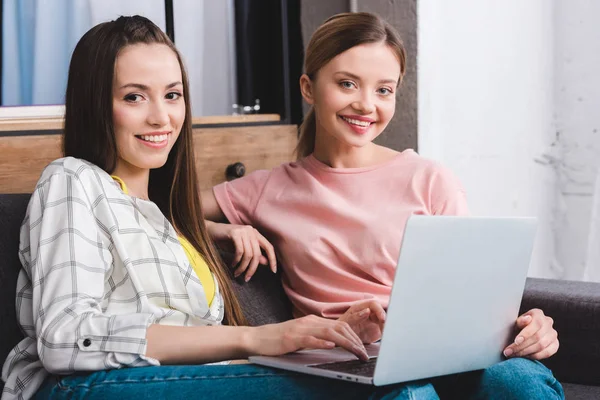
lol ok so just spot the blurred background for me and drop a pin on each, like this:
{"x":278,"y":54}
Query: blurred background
{"x":503,"y":93}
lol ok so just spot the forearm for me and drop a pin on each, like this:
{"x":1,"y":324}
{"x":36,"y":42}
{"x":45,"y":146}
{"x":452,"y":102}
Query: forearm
{"x":197,"y":345}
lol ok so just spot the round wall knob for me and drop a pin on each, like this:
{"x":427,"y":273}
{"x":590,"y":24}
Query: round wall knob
{"x":235,"y":170}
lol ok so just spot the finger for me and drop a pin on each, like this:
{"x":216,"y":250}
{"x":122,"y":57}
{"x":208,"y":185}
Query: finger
{"x":539,"y":326}
{"x":347,"y":331}
{"x":544,"y":341}
{"x":245,"y":258}
{"x":311,"y":342}
{"x":239,"y":250}
{"x":378,"y":310}
{"x":524,"y":339}
{"x":358,"y":317}
{"x":268,"y":248}
{"x":531,"y":327}
{"x":344,"y":342}
{"x":255,"y":258}
{"x":524,"y":320}
{"x":547,"y":352}
{"x":341,"y":327}
{"x":377,"y":321}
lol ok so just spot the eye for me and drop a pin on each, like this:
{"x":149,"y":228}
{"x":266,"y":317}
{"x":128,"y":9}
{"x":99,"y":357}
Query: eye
{"x":384,"y":91}
{"x":133,"y":98}
{"x":173,"y":96}
{"x":347,"y":84}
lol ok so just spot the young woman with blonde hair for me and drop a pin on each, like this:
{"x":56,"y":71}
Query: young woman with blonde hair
{"x":336,"y":215}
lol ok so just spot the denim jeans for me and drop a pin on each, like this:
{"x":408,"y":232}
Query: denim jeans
{"x":511,"y":379}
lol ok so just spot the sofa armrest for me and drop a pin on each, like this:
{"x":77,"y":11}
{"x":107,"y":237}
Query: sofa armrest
{"x":575,"y":308}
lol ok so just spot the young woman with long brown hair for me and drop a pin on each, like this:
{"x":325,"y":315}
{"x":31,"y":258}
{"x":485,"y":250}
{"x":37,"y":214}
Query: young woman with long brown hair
{"x":337,"y":215}
{"x":118,"y":270}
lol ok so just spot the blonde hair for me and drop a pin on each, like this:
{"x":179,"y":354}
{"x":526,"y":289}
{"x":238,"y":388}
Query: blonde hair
{"x":338,"y":34}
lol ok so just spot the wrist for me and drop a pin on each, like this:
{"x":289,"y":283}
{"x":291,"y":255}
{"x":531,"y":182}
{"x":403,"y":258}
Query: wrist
{"x":210,"y":228}
{"x":248,"y":341}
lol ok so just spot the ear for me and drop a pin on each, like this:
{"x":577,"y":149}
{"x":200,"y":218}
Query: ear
{"x":306,"y":88}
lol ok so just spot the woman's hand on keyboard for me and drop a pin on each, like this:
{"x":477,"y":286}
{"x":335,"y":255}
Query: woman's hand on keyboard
{"x":366,"y":319}
{"x":310,"y":332}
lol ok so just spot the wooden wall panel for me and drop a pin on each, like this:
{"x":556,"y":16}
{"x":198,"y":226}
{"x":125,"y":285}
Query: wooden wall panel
{"x":22,"y":158}
{"x":56,"y":123}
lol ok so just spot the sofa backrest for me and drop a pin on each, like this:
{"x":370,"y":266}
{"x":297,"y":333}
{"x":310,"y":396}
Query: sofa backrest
{"x":12,"y":212}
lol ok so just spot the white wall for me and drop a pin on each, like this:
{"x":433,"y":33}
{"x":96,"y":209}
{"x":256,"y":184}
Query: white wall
{"x":509,"y":98}
{"x":577,"y":109}
{"x":485,"y":106}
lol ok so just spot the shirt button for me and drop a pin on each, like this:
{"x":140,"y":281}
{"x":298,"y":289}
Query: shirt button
{"x":87,"y":343}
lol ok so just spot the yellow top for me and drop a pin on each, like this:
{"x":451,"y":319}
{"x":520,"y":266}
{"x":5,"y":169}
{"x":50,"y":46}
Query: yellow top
{"x":195,"y":258}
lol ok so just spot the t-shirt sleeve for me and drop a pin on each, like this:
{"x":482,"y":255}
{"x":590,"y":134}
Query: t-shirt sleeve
{"x":448,"y":195}
{"x":238,"y":198}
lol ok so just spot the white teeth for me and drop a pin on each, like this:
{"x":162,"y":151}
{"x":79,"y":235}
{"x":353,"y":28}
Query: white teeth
{"x":364,"y":124}
{"x":154,"y":138}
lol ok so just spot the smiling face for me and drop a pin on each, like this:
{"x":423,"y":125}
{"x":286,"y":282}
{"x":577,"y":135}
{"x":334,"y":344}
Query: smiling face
{"x":148,"y":105}
{"x":353,"y":95}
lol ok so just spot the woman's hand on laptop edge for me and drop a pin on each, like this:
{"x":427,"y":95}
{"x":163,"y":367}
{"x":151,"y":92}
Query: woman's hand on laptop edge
{"x":537,"y":338}
{"x":309,"y":332}
{"x":366,"y":318}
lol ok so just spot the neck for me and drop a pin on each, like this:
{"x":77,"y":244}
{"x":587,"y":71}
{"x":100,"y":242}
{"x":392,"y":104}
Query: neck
{"x":336,"y":154}
{"x":135,"y":178}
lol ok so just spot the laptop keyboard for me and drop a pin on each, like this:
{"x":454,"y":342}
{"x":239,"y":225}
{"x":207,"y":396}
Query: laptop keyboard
{"x":355,"y":367}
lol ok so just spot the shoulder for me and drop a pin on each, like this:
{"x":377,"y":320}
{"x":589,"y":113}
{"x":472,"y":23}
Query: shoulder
{"x":426,"y":169}
{"x":84,"y":172}
{"x":280,"y":174}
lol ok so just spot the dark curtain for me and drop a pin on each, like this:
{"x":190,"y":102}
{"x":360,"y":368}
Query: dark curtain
{"x":270,"y":53}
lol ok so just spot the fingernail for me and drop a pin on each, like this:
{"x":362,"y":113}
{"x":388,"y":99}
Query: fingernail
{"x":519,"y":340}
{"x":508,"y":352}
{"x":527,"y":318}
{"x":247,"y":278}
{"x":362,"y":313}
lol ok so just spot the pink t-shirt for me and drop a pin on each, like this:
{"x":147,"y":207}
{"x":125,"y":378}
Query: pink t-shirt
{"x":338,"y":231}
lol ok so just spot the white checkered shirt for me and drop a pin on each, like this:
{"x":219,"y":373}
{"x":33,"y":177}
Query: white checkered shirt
{"x":98,"y":268}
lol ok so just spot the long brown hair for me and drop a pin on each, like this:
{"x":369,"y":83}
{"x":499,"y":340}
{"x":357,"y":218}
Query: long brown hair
{"x":89,"y":135}
{"x":338,"y":34}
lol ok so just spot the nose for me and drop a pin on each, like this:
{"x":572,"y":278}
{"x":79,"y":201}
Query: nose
{"x":364,"y":103}
{"x":158,"y":114}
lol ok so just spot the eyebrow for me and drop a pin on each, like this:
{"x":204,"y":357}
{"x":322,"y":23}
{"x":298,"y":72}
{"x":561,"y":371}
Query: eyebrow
{"x":144,"y":87}
{"x":356,"y":77}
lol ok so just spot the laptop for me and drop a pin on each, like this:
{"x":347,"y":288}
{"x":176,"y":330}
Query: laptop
{"x":453,"y":306}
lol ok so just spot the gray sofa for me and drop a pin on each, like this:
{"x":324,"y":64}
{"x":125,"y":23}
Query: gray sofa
{"x":575,"y":307}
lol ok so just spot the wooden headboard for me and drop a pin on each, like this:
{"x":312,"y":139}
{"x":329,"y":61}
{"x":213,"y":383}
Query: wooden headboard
{"x":258,"y":143}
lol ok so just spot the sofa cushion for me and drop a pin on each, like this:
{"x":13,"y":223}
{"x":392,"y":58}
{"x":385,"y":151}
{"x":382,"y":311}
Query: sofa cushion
{"x":581,"y":392}
{"x":12,"y":212}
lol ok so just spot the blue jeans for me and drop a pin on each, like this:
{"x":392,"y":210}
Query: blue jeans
{"x":511,"y":379}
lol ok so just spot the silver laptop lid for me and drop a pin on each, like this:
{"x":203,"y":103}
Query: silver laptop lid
{"x":456,"y":295}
